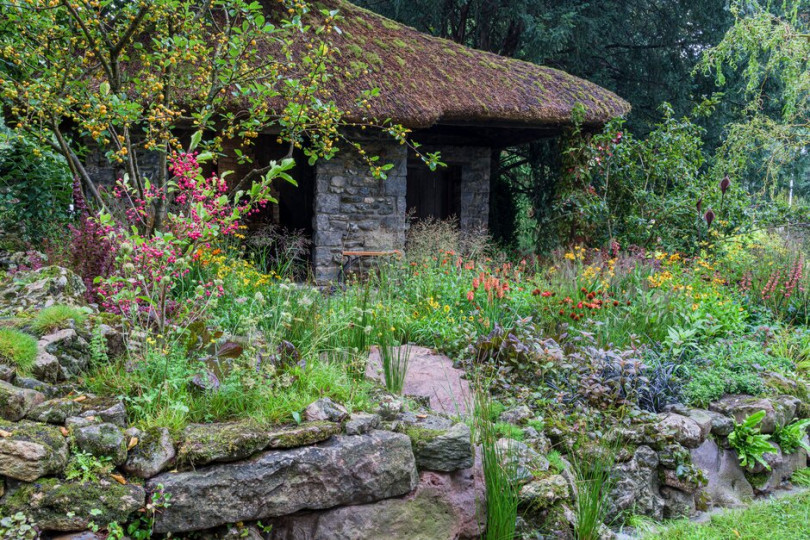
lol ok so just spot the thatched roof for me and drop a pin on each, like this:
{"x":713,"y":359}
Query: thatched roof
{"x":425,"y":81}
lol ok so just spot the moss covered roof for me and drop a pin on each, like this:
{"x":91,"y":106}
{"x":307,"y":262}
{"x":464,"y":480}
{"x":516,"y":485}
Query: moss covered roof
{"x":424,"y":80}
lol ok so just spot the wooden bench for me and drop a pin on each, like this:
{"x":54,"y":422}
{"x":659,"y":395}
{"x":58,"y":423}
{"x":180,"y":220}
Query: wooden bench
{"x":352,"y":257}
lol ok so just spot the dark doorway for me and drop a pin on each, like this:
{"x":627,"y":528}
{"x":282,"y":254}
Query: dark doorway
{"x":434,"y":194}
{"x":296,"y":204}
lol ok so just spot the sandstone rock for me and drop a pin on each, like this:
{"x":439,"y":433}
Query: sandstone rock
{"x":636,"y":486}
{"x":778,"y":411}
{"x":727,"y":484}
{"x":325,"y":409}
{"x":518,"y":415}
{"x":444,"y":450}
{"x":153,"y":453}
{"x":102,"y":440}
{"x":109,"y":409}
{"x":444,"y":506}
{"x":31,"y":451}
{"x":208,"y":443}
{"x":56,"y":505}
{"x":54,"y":411}
{"x":544,"y":492}
{"x":677,"y":504}
{"x":361,"y":423}
{"x":343,"y":470}
{"x":685,"y":430}
{"x":15,"y":402}
{"x":521,"y":459}
{"x":46,"y":367}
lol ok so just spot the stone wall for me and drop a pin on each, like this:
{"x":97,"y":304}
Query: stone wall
{"x":355,"y":211}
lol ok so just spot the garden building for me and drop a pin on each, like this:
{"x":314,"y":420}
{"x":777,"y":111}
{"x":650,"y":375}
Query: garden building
{"x":466,"y":104}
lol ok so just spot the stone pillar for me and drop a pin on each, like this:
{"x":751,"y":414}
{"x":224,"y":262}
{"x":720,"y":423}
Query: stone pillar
{"x":355,"y":211}
{"x":475,"y":173}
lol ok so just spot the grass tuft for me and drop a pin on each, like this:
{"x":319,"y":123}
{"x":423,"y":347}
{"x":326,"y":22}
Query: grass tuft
{"x":56,"y":317}
{"x":18,"y":349}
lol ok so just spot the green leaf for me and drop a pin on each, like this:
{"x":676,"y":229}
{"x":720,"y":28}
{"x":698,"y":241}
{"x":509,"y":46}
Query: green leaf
{"x":195,"y":140}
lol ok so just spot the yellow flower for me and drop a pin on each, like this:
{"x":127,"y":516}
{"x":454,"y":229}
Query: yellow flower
{"x":570,"y":256}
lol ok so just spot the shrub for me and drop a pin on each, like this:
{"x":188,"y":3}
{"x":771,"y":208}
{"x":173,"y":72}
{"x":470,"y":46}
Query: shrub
{"x":750,"y":444}
{"x":17,"y":348}
{"x":56,"y":317}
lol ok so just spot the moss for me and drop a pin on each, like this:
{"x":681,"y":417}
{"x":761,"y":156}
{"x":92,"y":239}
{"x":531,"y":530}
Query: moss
{"x":303,"y":435}
{"x":17,"y":349}
{"x":401,"y":44}
{"x":449,"y":50}
{"x":757,"y":480}
{"x":421,"y":436}
{"x":391,"y":25}
{"x":57,"y":317}
{"x":400,"y":61}
{"x":508,"y":430}
{"x":373,"y":59}
{"x":354,"y":50}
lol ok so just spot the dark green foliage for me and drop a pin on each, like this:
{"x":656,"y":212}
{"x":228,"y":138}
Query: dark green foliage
{"x":791,"y":437}
{"x":35,"y":190}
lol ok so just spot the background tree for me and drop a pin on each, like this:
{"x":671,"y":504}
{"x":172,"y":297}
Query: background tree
{"x":126,"y":77}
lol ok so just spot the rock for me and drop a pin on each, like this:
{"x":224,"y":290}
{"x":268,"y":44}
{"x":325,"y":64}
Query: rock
{"x":48,"y":390}
{"x":444,"y":506}
{"x":518,"y":415}
{"x":81,"y":421}
{"x":86,"y":535}
{"x":636,"y":486}
{"x":208,"y":443}
{"x":114,"y":338}
{"x":673,"y":455}
{"x":54,"y":411}
{"x":779,"y":411}
{"x":71,"y":350}
{"x":109,"y":409}
{"x":677,"y":504}
{"x":361,"y":423}
{"x":57,"y":505}
{"x":444,"y":450}
{"x":685,"y":430}
{"x":521,"y":459}
{"x":544,"y":492}
{"x":153,"y":453}
{"x":31,"y":451}
{"x":325,"y":409}
{"x":702,"y":418}
{"x":536,"y":440}
{"x":685,"y":483}
{"x":341,"y":471}
{"x":782,"y":467}
{"x":102,"y":440}
{"x":389,"y":408}
{"x":45,"y":287}
{"x":727,"y":484}
{"x":7,"y":373}
{"x":46,"y":367}
{"x":302,"y":435}
{"x":16,"y":402}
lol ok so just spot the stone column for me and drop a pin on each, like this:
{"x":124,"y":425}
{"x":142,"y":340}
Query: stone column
{"x":354,"y":210}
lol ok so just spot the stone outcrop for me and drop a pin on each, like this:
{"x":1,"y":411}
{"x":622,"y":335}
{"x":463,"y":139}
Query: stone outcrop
{"x":102,"y":440}
{"x":438,"y":449}
{"x":345,"y":470}
{"x":779,"y":411}
{"x":16,"y":402}
{"x":637,"y":488}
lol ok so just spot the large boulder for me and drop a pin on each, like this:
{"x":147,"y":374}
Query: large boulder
{"x":57,"y":505}
{"x":102,"y":440}
{"x":636,"y":486}
{"x":341,"y":471}
{"x":153,"y":452}
{"x":779,"y":411}
{"x":15,"y":402}
{"x":782,"y":466}
{"x":30,"y":450}
{"x":438,"y":449}
{"x":444,"y":506}
{"x":726,"y":481}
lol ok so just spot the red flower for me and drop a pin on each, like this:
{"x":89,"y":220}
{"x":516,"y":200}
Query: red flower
{"x":470,"y":295}
{"x":546,"y":294}
{"x":536,"y":292}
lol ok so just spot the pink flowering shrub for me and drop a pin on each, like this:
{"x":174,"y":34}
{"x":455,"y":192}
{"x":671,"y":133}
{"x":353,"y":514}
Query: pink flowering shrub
{"x":152,"y":270}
